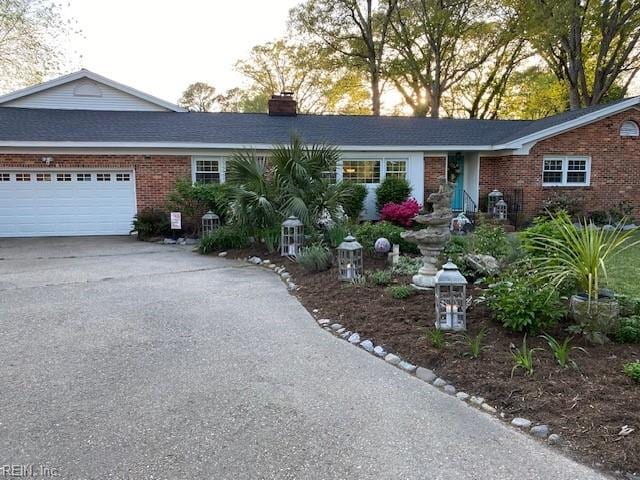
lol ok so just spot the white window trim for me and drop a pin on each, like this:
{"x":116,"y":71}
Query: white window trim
{"x":565,"y":166}
{"x":222,"y":166}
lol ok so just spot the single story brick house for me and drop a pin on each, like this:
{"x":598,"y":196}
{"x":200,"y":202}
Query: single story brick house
{"x":81,"y":154}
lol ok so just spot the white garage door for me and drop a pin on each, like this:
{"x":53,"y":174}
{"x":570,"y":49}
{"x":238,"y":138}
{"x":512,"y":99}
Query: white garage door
{"x":62,"y":203}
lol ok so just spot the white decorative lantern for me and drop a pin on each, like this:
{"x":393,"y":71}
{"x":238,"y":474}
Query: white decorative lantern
{"x":292,"y":237}
{"x":349,"y":259}
{"x":451,"y":298}
{"x":210,"y":221}
{"x":494,"y":197}
{"x":501,"y":210}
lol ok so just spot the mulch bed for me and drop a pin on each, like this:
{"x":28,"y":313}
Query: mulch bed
{"x":587,"y":405}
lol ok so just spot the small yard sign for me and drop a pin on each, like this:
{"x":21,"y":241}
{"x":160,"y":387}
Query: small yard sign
{"x":176,"y":221}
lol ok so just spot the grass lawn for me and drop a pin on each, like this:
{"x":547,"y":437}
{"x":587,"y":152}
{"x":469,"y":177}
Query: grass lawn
{"x":624,"y":269}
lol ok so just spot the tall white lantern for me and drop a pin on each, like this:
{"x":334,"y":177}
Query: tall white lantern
{"x":451,"y":298}
{"x":494,"y":197}
{"x":350,"y":265}
{"x":292,"y":237}
{"x":501,"y":210}
{"x":210,"y":222}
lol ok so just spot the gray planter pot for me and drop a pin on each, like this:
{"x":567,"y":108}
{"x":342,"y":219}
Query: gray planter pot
{"x":601,"y":317}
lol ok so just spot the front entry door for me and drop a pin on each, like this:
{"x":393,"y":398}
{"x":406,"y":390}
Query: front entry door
{"x":455,"y":174}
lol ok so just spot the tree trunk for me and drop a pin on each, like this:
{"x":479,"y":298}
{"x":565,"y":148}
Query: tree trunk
{"x":375,"y":93}
{"x":574,"y":97}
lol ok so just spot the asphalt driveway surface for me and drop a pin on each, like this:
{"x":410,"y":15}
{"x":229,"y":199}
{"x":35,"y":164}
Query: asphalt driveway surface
{"x":129,"y":360}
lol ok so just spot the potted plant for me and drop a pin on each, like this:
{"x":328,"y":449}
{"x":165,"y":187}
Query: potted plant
{"x":577,"y":255}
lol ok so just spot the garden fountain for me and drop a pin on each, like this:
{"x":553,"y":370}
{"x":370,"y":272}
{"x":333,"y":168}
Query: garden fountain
{"x":432,"y":239}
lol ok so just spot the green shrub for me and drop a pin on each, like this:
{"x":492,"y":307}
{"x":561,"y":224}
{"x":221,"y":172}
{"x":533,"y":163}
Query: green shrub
{"x":193,"y":201}
{"x":223,"y":238}
{"x":632,"y":370}
{"x":392,"y":190}
{"x":400,"y":292}
{"x":455,"y":249}
{"x":599,"y":217}
{"x":368,"y":232}
{"x":545,"y":226}
{"x":570,"y":203}
{"x":490,"y":240}
{"x":354,"y":204}
{"x":151,"y":223}
{"x":629,"y":306}
{"x":628,"y":331}
{"x":314,"y":258}
{"x":381,"y":277}
{"x":523,"y":305}
{"x":407,"y":265}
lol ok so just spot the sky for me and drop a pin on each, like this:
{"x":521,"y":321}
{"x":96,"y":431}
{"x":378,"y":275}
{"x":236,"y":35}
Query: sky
{"x":162,"y":46}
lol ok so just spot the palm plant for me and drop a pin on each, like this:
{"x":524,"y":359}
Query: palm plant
{"x":291,"y":184}
{"x":578,"y":254}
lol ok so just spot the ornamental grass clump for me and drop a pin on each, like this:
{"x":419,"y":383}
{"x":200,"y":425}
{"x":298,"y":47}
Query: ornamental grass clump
{"x":400,"y":292}
{"x":314,"y":258}
{"x":523,"y":358}
{"x":562,"y":351}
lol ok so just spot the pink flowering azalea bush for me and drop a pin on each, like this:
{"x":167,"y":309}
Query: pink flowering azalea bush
{"x":400,"y":213}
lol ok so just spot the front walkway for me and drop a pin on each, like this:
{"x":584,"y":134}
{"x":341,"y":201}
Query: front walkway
{"x":135,"y":361}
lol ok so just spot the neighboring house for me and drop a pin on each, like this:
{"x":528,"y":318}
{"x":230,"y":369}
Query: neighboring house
{"x":81,"y":154}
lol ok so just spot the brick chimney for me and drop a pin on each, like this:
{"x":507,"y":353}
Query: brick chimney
{"x":283,"y":105}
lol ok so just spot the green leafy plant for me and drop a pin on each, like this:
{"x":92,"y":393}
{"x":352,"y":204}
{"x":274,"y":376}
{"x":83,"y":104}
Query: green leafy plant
{"x":314,"y":258}
{"x":542,"y":226}
{"x":381,"y":277}
{"x":474,"y":343}
{"x":491,"y":240}
{"x":436,"y":338}
{"x":632,"y":370}
{"x":151,"y":223}
{"x":578,"y":255}
{"x":407,"y":265}
{"x":562,"y":351}
{"x":368,"y":232}
{"x":522,"y":304}
{"x":354,"y":204}
{"x":223,"y":238}
{"x":629,"y":330}
{"x":571,"y":203}
{"x":523,"y":358}
{"x":455,"y":250}
{"x":194,"y":200}
{"x":392,"y":190}
{"x":629,"y":306}
{"x":400,"y":292}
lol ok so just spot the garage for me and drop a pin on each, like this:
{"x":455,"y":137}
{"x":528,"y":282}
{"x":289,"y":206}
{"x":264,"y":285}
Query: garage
{"x":37,"y":203}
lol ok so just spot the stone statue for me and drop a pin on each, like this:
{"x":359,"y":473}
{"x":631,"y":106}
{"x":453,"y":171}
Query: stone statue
{"x":431,"y":240}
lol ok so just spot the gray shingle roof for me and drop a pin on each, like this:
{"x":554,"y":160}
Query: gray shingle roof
{"x":44,"y":125}
{"x":21,"y":124}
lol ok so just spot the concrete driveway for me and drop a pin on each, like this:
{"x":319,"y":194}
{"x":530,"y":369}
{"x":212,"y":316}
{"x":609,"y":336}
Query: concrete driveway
{"x":137,"y":361}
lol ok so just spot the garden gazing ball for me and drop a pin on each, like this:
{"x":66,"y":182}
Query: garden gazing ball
{"x":382,"y":245}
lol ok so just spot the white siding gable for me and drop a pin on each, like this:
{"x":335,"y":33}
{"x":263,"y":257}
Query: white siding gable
{"x":84,"y":94}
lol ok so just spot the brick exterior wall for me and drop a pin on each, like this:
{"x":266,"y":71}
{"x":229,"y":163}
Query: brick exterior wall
{"x":615,"y":167}
{"x":434,"y":167}
{"x":155,"y":174}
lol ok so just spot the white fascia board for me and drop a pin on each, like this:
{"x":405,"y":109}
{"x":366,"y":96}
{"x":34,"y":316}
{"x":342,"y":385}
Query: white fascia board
{"x":25,"y":92}
{"x":521,"y":143}
{"x":234,"y":146}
